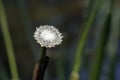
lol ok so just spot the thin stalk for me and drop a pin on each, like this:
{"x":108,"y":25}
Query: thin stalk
{"x":83,"y":38}
{"x":43,"y":54}
{"x":8,"y":43}
{"x":41,"y":66}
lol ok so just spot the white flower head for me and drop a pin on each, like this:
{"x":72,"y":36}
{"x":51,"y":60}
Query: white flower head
{"x":48,"y":36}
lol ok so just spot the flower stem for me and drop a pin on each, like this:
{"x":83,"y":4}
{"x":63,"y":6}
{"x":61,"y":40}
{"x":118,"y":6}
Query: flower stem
{"x":41,"y":66}
{"x":43,"y":54}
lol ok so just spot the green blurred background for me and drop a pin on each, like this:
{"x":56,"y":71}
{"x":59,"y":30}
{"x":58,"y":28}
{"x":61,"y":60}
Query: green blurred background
{"x":87,"y":42}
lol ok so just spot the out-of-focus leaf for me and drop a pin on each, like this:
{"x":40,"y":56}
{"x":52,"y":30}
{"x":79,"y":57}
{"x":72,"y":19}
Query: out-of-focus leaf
{"x":113,"y":40}
{"x":82,"y":41}
{"x":3,"y":73}
{"x":22,"y":6}
{"x":8,"y":43}
{"x":100,"y":51}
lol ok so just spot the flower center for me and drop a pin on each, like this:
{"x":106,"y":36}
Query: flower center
{"x":47,"y":35}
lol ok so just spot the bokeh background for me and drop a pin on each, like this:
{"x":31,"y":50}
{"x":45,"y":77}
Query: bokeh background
{"x":69,"y":16}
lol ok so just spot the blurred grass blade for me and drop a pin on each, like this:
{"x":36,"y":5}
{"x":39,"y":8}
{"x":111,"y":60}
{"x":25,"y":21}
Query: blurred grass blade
{"x":97,"y":64}
{"x":22,"y":6}
{"x":60,"y":66}
{"x":3,"y":73}
{"x":82,"y":41}
{"x":113,"y":40}
{"x":8,"y":43}
{"x":91,"y":5}
{"x":111,"y":73}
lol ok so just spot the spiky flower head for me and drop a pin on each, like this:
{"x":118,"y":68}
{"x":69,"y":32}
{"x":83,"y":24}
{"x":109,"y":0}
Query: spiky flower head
{"x":48,"y":36}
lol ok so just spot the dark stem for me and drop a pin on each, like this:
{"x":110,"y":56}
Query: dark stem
{"x":41,"y":66}
{"x":43,"y":54}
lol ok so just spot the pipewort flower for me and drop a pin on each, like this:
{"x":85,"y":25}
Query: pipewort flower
{"x":48,"y":36}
